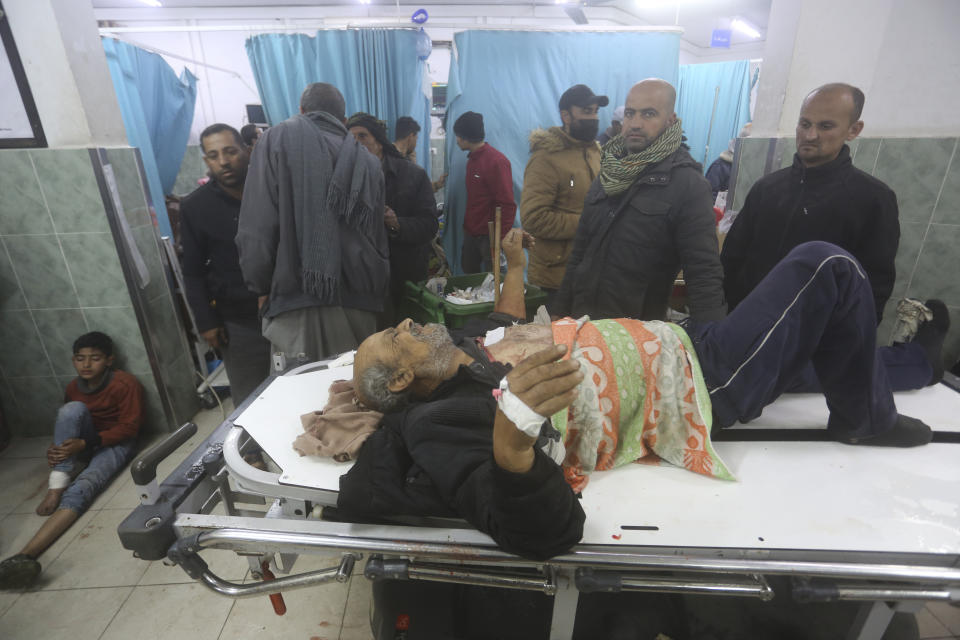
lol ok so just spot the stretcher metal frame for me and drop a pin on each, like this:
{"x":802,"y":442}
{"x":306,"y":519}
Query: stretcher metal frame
{"x":271,"y":524}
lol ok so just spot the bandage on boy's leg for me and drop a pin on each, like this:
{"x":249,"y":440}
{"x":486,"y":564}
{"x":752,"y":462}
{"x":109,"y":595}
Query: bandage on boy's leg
{"x":59,"y":479}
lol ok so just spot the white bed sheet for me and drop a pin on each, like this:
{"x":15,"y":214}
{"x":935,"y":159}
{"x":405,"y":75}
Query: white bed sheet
{"x":273,"y":420}
{"x":789,"y":495}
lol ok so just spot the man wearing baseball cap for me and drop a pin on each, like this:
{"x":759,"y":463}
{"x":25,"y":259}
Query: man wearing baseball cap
{"x":563,"y":162}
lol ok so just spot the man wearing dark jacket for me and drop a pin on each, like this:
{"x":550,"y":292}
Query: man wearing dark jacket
{"x":311,"y":235}
{"x":224,"y":310}
{"x":824,"y":197}
{"x":648,"y":215}
{"x":821,"y":197}
{"x":410,"y":215}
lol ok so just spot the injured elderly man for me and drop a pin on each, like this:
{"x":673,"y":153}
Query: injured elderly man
{"x":503,"y":425}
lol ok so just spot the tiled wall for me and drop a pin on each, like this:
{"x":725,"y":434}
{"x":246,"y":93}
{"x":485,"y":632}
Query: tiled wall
{"x":192,"y":168}
{"x":925,"y":174}
{"x":61,"y":276}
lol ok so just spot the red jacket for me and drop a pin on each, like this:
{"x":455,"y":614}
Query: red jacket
{"x":117,"y":409}
{"x":489,"y":184}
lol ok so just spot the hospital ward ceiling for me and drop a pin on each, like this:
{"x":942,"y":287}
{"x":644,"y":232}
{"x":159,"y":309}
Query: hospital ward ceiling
{"x":698,"y":18}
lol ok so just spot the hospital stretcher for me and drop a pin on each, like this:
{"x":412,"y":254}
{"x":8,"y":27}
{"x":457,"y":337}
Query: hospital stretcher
{"x":843,"y":523}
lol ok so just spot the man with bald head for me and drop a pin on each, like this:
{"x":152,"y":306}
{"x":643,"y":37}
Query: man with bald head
{"x":647,"y":215}
{"x":822,"y":196}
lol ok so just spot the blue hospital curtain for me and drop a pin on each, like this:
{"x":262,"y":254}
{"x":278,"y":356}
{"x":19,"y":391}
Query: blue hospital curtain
{"x":376,"y":70}
{"x":157,"y":110}
{"x":695,"y":105}
{"x":515,"y":79}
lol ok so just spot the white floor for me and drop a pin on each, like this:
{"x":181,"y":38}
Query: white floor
{"x":92,"y":588}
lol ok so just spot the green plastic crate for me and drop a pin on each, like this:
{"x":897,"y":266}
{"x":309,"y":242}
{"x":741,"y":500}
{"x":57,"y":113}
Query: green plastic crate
{"x":423,"y":306}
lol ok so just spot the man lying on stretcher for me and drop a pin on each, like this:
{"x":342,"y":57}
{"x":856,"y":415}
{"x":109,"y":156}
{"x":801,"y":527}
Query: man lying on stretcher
{"x":457,"y":441}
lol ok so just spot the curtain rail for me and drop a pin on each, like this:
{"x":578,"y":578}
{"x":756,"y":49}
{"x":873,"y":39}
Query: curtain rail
{"x":378,"y":25}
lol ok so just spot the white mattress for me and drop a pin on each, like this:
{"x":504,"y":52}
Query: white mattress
{"x":789,"y":495}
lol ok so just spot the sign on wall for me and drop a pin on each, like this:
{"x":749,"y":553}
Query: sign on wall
{"x":19,"y":122}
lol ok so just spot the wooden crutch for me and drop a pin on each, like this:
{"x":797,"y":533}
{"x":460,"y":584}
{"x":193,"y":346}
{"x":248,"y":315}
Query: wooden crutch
{"x":496,"y":256}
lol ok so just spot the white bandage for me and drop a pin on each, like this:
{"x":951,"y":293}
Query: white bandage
{"x":526,"y":419}
{"x":59,"y":479}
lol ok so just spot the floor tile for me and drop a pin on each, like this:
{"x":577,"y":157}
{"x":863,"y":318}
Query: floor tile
{"x":7,"y":598}
{"x":929,"y":626}
{"x":356,"y":618}
{"x":23,"y":480}
{"x":124,"y":496}
{"x":314,"y":612}
{"x":27,"y":448}
{"x":80,"y":614}
{"x":948,"y":615}
{"x":96,"y":547}
{"x":16,"y":530}
{"x":170,"y":612}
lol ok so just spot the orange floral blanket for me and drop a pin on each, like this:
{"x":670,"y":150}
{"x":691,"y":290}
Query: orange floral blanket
{"x":642,"y":399}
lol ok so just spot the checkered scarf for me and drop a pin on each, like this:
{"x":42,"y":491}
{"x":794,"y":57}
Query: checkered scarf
{"x":619,"y":170}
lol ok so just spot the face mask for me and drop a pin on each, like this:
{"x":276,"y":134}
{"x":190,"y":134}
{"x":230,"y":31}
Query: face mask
{"x":584,"y":130}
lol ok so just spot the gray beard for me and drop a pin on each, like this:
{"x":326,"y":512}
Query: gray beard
{"x":442,"y":349}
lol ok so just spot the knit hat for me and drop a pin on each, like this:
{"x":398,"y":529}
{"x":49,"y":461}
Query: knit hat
{"x":377,"y":128}
{"x":469,"y":126}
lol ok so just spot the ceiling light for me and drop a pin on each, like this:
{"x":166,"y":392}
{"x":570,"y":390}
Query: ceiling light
{"x":738,"y":24}
{"x":364,"y":1}
{"x":152,"y":3}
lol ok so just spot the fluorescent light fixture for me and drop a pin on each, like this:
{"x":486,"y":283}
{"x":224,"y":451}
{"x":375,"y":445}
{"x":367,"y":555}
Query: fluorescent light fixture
{"x":667,"y":4}
{"x":741,"y":25}
{"x":364,"y":1}
{"x":561,"y":1}
{"x":152,"y":3}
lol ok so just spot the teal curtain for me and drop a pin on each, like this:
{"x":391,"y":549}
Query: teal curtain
{"x":515,"y":79}
{"x":157,"y":109}
{"x":377,"y":71}
{"x":729,"y":82}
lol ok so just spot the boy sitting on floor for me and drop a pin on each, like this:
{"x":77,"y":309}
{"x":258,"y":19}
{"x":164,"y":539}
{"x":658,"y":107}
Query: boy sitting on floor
{"x":95,"y":436}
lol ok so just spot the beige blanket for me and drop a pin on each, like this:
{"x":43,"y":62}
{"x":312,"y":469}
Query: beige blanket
{"x":338,"y":430}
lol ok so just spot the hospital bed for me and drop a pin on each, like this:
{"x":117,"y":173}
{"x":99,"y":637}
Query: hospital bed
{"x":836,"y":522}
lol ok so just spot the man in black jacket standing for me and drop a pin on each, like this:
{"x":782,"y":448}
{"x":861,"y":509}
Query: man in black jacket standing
{"x":822,"y":196}
{"x":410,"y":215}
{"x":224,"y":310}
{"x":647,"y":215}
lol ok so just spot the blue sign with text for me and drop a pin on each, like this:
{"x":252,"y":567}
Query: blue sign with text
{"x":720,"y":39}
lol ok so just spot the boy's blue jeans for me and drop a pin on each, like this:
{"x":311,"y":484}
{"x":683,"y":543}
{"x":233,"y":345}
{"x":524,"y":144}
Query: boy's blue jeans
{"x":74,"y":421}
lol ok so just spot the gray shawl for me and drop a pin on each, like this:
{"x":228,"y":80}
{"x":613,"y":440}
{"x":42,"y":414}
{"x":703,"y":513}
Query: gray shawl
{"x":344,"y":190}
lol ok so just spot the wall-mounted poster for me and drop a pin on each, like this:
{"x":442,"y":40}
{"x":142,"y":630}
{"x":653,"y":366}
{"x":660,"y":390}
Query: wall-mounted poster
{"x":19,"y":122}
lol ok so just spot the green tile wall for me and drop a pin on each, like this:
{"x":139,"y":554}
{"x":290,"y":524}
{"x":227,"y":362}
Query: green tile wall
{"x":60,"y":276}
{"x":192,"y":168}
{"x":925,"y":174}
